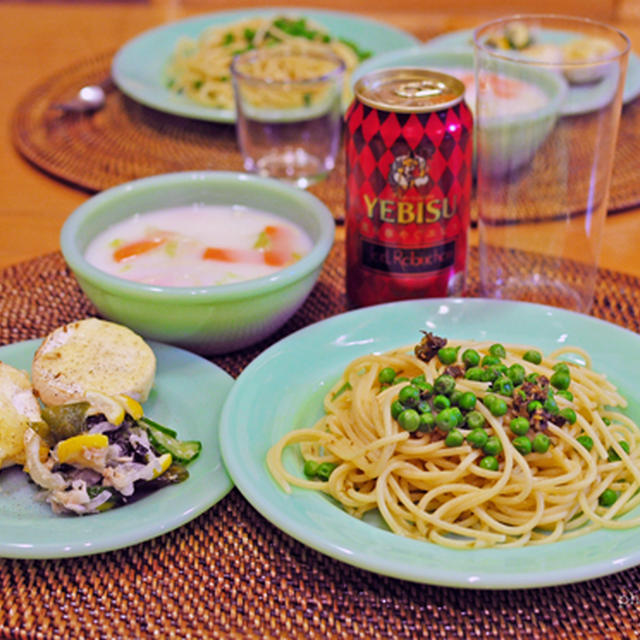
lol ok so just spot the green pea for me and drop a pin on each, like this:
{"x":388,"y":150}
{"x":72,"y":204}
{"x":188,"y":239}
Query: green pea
{"x":444,"y":384}
{"x":493,"y":372}
{"x":423,"y":407}
{"x":420,"y":383}
{"x":522,"y":444}
{"x":607,"y":498}
{"x":311,"y":468}
{"x":447,"y":419}
{"x":401,"y":379}
{"x":497,"y":350}
{"x":441,"y":402}
{"x":613,"y":454}
{"x":474,"y":420}
{"x":586,"y":441}
{"x":475,"y":373}
{"x":409,"y":420}
{"x":569,"y":415}
{"x":386,"y":375}
{"x":427,"y":423}
{"x":490,"y":463}
{"x":516,"y":374}
{"x":532,"y":377}
{"x":477,"y":438}
{"x":448,"y":355}
{"x":550,"y":404}
{"x":409,"y":396}
{"x":541,"y":443}
{"x":519,"y":425}
{"x":493,"y":446}
{"x":503,"y":386}
{"x":470,"y":358}
{"x":533,"y":356}
{"x":396,"y":409}
{"x":467,"y":401}
{"x":561,"y":380}
{"x":533,"y":406}
{"x":454,"y":438}
{"x":489,"y":360}
{"x":498,"y":407}
{"x":561,"y":366}
{"x":565,"y":394}
{"x":325,"y":470}
{"x":455,"y":396}
{"x":607,"y":421}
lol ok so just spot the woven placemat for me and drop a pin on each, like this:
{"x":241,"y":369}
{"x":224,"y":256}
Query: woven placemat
{"x":231,"y":574}
{"x":126,"y":140}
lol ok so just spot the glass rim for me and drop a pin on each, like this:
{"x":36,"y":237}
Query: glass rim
{"x":339,"y":69}
{"x":618,"y":54}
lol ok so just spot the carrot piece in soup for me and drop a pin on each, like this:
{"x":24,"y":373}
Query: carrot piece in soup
{"x":137,"y":248}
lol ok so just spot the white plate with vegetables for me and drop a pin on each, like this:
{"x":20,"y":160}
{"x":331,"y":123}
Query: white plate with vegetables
{"x":186,"y":399}
{"x":582,"y":98}
{"x":140,"y":68}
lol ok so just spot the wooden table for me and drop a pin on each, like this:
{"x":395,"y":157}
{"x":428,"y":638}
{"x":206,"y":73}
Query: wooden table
{"x":40,"y":38}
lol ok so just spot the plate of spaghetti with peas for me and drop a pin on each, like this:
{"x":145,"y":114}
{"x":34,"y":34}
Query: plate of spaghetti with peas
{"x":462,"y":442}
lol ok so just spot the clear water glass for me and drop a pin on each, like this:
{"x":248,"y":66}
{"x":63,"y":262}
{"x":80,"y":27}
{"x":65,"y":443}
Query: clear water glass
{"x":289,"y":123}
{"x":544,"y":161}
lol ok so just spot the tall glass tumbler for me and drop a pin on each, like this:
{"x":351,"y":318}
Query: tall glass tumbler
{"x":289,"y":111}
{"x":548,"y":104}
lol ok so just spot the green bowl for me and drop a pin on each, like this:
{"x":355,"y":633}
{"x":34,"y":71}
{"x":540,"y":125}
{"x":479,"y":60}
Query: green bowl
{"x":207,"y":320}
{"x":509,"y":142}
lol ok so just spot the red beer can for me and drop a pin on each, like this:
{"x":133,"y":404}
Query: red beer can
{"x":409,"y":149}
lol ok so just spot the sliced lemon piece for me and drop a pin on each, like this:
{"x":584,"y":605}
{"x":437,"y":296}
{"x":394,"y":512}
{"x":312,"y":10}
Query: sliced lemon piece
{"x":72,"y":449}
{"x":112,"y":410}
{"x":131,"y":406}
{"x":165,"y":462}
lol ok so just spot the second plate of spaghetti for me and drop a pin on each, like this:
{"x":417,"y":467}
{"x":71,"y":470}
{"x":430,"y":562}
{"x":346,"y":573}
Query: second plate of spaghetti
{"x":354,"y":443}
{"x":183,"y":67}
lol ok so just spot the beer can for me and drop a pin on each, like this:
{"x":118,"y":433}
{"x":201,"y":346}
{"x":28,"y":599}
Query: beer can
{"x":409,"y":150}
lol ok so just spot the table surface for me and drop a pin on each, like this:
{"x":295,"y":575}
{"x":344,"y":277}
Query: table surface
{"x":34,"y":205}
{"x":167,"y":579}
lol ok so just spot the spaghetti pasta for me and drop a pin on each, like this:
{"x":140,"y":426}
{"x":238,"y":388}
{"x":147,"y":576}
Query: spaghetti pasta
{"x":200,"y":68}
{"x":472,"y":444}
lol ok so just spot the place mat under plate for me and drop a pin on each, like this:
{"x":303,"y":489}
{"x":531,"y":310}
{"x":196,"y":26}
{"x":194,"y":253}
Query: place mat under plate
{"x":231,"y":574}
{"x":126,"y":140}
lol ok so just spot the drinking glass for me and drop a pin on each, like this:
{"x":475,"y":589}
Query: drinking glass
{"x":289,"y":111}
{"x":548,"y":102}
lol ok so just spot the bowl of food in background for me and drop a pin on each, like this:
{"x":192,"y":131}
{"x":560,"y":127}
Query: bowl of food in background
{"x":209,"y":261}
{"x":526,"y":107}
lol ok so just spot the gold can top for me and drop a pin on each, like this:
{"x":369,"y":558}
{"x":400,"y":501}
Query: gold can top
{"x":409,"y":90}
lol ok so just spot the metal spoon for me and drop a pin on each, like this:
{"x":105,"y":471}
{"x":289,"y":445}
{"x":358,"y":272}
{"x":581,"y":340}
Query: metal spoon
{"x":89,"y":98}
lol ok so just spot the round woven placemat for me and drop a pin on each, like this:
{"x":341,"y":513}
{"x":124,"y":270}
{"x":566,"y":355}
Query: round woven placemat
{"x":231,"y":574}
{"x":126,"y":140}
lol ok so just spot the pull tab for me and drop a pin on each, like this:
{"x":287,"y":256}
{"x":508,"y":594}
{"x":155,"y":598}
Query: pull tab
{"x":420,"y":89}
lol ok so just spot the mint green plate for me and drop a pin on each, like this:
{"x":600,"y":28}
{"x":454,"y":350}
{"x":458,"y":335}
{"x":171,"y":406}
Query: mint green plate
{"x":581,"y":98}
{"x":188,"y":395}
{"x":138,"y":68}
{"x":283,"y":388}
